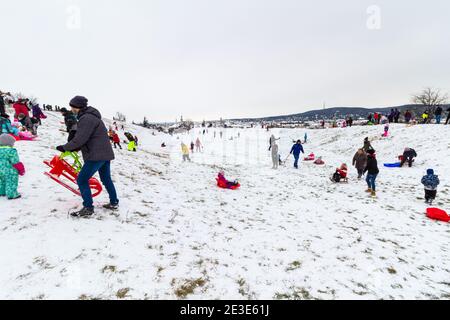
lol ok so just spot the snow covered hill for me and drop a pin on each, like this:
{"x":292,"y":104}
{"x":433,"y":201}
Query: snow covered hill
{"x":285,"y":234}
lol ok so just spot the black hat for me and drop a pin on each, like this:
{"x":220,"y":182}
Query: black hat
{"x":79,"y":102}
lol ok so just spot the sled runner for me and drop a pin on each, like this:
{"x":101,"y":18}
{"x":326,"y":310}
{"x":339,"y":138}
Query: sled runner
{"x":438,"y":214}
{"x":61,"y":168}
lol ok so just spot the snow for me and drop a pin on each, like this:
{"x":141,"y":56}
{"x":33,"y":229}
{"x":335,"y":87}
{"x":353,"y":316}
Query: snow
{"x":285,"y":234}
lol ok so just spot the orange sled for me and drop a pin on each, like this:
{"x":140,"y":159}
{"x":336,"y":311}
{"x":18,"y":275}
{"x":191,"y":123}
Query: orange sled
{"x":60,"y":168}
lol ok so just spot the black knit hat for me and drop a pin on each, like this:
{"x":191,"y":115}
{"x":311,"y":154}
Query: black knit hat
{"x":79,"y":102}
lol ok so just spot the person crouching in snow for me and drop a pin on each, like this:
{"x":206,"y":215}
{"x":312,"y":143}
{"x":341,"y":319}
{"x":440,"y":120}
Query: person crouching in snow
{"x":360,"y":162}
{"x":10,"y":168}
{"x":185,"y":151}
{"x":341,"y":173}
{"x":372,"y":172}
{"x":431,"y":182}
{"x":27,"y":122}
{"x":386,"y":130}
{"x":275,"y":155}
{"x":296,"y":150}
{"x":408,"y":156}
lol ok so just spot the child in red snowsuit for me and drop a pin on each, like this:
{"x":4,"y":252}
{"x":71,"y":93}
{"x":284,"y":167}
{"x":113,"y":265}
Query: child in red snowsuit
{"x":224,"y":183}
{"x":116,"y":140}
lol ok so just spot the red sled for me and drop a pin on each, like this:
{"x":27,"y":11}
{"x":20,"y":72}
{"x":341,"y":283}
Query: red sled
{"x":60,"y":168}
{"x":224,"y":185}
{"x":438,"y":214}
{"x":311,"y":157}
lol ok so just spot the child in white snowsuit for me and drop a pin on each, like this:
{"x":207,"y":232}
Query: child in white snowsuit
{"x":10,"y":168}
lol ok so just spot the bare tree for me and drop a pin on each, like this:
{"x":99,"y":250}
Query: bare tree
{"x":430,"y":98}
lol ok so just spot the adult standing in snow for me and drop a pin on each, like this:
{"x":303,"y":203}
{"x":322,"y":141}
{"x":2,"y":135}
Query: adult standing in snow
{"x":296,"y":150}
{"x":448,"y":116}
{"x":438,"y":114}
{"x":275,"y":156}
{"x":360,"y":162}
{"x":198,"y":145}
{"x":272,"y":140}
{"x":92,"y":138}
{"x":37,"y":113}
{"x":372,"y":172}
{"x":367,"y":145}
{"x":2,"y":104}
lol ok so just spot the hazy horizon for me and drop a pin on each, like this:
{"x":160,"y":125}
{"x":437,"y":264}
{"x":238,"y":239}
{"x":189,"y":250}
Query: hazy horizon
{"x":207,"y":59}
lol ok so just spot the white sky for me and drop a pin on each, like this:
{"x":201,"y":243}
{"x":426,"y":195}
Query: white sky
{"x":223,"y":58}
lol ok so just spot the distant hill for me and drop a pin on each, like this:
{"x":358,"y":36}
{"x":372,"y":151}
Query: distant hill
{"x":339,"y":112}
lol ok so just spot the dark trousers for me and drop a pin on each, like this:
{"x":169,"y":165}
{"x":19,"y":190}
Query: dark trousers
{"x":409,"y":160}
{"x":117,"y":144}
{"x":87,"y":172}
{"x":448,"y":119}
{"x":430,"y":194}
{"x":297,"y":158}
{"x":371,"y":181}
{"x":360,"y":173}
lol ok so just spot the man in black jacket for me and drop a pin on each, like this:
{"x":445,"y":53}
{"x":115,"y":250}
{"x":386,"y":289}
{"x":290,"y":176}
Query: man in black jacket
{"x":92,"y":138}
{"x":438,"y":114}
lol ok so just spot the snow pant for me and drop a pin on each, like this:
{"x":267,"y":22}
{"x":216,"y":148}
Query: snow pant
{"x":438,"y":119}
{"x":198,"y":149}
{"x":448,"y":119}
{"x":276,"y":161}
{"x":9,"y":181}
{"x":87,"y":172}
{"x":132,"y":146}
{"x":186,"y":157}
{"x":409,"y":160}
{"x":117,"y":144}
{"x":371,"y":181}
{"x":297,"y":158}
{"x":430,"y":194}
{"x":360,"y":173}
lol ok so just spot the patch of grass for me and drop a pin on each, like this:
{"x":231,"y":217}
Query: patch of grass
{"x":391,"y":270}
{"x":122,"y":293}
{"x":112,"y":269}
{"x":294,"y":266}
{"x":188,"y":287}
{"x":296,"y":294}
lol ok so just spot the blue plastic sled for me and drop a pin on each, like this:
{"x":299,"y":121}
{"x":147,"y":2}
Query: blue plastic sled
{"x":392,"y":165}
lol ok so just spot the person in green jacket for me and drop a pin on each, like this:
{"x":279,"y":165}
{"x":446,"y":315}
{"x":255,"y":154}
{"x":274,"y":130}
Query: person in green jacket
{"x":10,"y":168}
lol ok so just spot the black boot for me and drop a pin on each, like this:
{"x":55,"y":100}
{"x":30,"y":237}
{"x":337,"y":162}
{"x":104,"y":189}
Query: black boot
{"x":110,"y":206}
{"x":83,"y":213}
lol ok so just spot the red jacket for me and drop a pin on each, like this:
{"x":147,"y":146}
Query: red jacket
{"x":21,"y":108}
{"x":116,"y":138}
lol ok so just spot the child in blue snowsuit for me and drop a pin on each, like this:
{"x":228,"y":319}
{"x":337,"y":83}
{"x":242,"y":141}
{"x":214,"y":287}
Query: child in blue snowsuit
{"x":10,"y":168}
{"x":431,"y":182}
{"x":296,"y":150}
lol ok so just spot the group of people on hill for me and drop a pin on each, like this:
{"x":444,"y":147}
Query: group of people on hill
{"x":27,"y":116}
{"x":427,"y":116}
{"x":87,"y":133}
{"x":194,"y":147}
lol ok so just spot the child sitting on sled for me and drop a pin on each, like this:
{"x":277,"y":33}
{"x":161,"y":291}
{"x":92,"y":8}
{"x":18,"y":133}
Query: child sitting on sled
{"x":341,"y":173}
{"x":224,"y":183}
{"x":431,"y":182}
{"x":10,"y":168}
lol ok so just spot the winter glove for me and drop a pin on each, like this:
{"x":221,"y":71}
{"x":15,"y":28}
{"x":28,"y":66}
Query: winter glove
{"x":20,"y":168}
{"x":60,"y":149}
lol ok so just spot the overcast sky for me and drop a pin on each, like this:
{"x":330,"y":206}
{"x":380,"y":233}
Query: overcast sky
{"x":223,"y":58}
